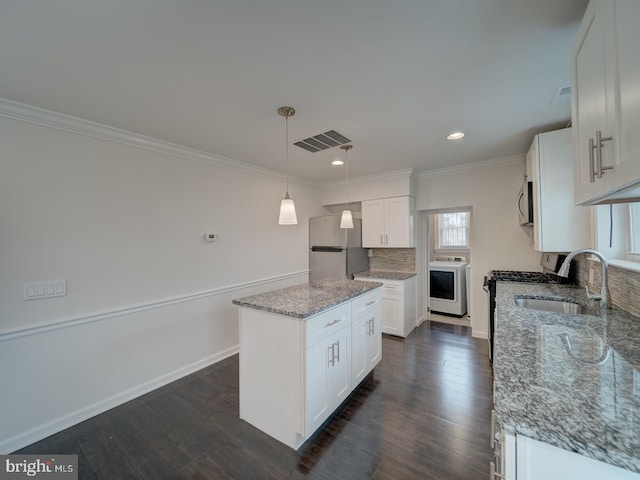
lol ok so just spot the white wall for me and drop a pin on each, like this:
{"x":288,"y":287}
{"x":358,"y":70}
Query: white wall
{"x":497,"y":240}
{"x":392,"y":184}
{"x":148,"y":301}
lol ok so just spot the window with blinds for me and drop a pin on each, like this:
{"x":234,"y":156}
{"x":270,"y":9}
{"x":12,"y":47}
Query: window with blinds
{"x":453,"y":230}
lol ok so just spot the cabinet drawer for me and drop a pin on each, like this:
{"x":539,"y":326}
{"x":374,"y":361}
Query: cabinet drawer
{"x":326,"y":323}
{"x":393,"y":286}
{"x":390,"y":286}
{"x":364,"y":302}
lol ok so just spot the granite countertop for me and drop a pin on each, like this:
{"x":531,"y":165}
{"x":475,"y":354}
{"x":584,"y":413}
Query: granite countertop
{"x":572,"y":381}
{"x":302,"y":301}
{"x":385,"y":274}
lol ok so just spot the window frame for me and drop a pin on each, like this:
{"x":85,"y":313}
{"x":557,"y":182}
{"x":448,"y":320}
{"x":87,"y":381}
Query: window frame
{"x":633,"y":232}
{"x":447,"y":248}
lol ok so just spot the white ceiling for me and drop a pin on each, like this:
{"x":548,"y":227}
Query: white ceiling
{"x":395,"y":76}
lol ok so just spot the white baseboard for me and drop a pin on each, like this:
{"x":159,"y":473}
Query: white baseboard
{"x":56,"y":425}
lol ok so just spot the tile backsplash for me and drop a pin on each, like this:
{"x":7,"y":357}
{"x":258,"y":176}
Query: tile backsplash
{"x":624,"y":285}
{"x":393,"y":259}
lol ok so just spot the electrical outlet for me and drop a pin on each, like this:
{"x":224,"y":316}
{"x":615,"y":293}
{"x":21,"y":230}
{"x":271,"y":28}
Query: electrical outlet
{"x":590,"y":276}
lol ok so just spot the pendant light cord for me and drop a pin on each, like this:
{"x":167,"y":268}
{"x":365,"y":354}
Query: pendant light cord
{"x":346,"y":181}
{"x":286,"y":148}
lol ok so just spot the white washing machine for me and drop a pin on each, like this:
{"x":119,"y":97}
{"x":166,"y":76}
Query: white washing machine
{"x":447,"y":287}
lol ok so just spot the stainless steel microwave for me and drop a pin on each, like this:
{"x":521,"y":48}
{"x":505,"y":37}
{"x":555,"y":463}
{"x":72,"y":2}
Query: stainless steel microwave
{"x":525,"y":204}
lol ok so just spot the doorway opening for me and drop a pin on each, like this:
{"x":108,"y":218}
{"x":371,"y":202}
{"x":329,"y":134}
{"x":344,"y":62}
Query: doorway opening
{"x":448,"y":243}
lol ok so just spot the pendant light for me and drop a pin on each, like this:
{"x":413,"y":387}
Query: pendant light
{"x":287,"y":208}
{"x":346,"y":221}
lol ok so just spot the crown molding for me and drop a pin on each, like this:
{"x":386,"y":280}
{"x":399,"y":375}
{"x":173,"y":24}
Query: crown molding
{"x":60,"y":121}
{"x":472,"y":167}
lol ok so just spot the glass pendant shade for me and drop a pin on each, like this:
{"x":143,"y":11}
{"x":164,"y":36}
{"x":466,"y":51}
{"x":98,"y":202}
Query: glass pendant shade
{"x":346,"y":221}
{"x":287,"y":212}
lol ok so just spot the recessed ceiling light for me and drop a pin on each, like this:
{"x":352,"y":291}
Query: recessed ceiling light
{"x":455,"y":135}
{"x":337,"y":162}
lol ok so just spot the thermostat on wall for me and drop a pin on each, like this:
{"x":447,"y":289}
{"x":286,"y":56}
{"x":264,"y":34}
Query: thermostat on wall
{"x":210,"y":237}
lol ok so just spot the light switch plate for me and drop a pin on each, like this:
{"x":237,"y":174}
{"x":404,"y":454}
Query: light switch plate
{"x":40,"y":290}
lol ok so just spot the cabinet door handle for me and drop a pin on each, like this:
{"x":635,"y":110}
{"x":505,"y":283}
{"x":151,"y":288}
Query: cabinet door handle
{"x":386,"y":237}
{"x":592,"y":163}
{"x":370,"y":303}
{"x":331,"y":324}
{"x":338,"y":347}
{"x":330,"y":355}
{"x":373,"y":328}
{"x":599,"y":140}
{"x":520,"y":197}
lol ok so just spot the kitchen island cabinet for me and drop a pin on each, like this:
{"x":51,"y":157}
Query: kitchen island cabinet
{"x":303,"y":350}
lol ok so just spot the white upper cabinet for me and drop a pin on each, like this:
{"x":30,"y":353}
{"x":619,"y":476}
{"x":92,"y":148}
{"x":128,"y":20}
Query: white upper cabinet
{"x":606,"y":106}
{"x":558,"y":224}
{"x":388,"y":222}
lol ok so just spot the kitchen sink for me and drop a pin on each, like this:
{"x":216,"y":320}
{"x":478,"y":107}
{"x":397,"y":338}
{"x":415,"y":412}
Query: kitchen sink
{"x":559,"y":306}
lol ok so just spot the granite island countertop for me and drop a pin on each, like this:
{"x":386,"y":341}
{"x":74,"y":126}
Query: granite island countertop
{"x":385,"y":274}
{"x":307,"y":299}
{"x":572,"y":381}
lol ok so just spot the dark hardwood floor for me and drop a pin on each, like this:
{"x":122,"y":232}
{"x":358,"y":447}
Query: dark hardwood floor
{"x":424,"y":413}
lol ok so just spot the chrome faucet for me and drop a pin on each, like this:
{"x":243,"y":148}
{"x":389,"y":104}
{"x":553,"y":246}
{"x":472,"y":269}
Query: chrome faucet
{"x":564,"y":272}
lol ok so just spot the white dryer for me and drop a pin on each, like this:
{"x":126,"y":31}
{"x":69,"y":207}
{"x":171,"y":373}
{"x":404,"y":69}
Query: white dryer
{"x":447,"y":287}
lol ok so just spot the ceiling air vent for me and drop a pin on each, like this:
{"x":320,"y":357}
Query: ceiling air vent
{"x":563,"y":96}
{"x":322,"y":141}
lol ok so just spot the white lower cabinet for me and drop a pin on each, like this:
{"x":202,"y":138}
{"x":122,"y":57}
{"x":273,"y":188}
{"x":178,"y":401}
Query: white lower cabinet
{"x":366,"y":338}
{"x":328,"y":377}
{"x":398,"y":305}
{"x":294,"y":372}
{"x":528,"y":459}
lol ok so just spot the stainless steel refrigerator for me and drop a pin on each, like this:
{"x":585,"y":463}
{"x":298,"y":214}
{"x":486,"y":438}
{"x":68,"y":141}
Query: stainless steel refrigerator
{"x":335,"y":252}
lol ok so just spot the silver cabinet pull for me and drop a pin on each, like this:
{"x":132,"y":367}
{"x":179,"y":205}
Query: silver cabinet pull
{"x":386,"y":239}
{"x":381,"y":241}
{"x":599,"y":140}
{"x":330,"y":355}
{"x":520,"y":197}
{"x":370,"y":303}
{"x":331,"y":324}
{"x":592,"y":164}
{"x":338,"y":347}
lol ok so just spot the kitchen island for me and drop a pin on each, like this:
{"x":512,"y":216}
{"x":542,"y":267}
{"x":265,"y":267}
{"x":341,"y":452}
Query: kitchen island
{"x":566,"y":383}
{"x":303,"y":350}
